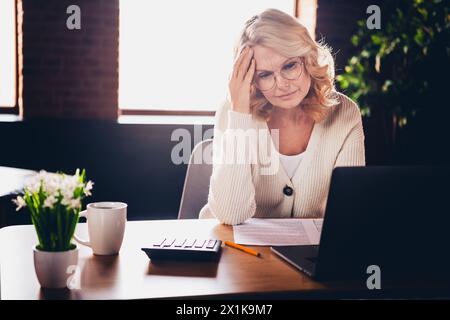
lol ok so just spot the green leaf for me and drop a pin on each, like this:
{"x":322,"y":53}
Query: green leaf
{"x":376,"y":39}
{"x":344,"y":83}
{"x":419,"y":37}
{"x":365,"y":54}
{"x":355,"y":40}
{"x":361,"y":23}
{"x":423,"y":12}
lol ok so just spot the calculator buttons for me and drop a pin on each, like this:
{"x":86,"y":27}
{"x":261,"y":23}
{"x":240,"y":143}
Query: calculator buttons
{"x":168,"y":243}
{"x":190,"y":243}
{"x":211,"y":244}
{"x":179,"y":243}
{"x":159,"y":243}
{"x":200,"y":243}
{"x":184,"y":248}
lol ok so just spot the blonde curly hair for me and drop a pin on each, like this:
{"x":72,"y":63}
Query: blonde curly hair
{"x":279,"y":31}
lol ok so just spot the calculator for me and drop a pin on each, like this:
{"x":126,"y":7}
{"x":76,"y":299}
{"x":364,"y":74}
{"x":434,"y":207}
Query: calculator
{"x":184,"y":249}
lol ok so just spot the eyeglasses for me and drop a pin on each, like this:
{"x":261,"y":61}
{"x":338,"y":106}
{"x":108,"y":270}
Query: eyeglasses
{"x":292,"y":70}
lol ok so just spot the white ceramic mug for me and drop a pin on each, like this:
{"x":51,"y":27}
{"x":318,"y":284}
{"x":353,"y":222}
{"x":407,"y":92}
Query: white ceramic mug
{"x":106,"y":227}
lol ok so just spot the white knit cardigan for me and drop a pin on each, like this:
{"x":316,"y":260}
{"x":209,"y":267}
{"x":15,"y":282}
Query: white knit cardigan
{"x":239,"y":191}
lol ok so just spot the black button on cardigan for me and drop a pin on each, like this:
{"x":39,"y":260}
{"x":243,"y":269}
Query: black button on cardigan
{"x":288,"y":191}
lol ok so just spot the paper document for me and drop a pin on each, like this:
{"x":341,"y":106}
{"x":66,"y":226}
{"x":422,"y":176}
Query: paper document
{"x":278,"y":232}
{"x":318,"y":223}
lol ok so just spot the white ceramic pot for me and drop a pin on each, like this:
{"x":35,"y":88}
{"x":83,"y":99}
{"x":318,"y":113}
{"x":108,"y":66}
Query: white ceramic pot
{"x":53,"y":269}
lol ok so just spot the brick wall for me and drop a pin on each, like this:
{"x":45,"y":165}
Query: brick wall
{"x":69,"y":73}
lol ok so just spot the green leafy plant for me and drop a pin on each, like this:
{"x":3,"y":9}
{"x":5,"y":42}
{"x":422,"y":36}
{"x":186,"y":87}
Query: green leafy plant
{"x":54,"y":201}
{"x":403,"y":66}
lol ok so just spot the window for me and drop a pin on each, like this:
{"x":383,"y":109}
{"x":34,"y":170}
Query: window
{"x":177,"y":55}
{"x":7,"y":55}
{"x":307,"y":14}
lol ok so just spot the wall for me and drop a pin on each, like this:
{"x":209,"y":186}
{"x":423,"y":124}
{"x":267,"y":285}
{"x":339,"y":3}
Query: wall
{"x":71,"y":74}
{"x":336,"y":22}
{"x":130,"y":163}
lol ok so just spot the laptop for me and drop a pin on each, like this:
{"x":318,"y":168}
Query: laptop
{"x":396,"y":218}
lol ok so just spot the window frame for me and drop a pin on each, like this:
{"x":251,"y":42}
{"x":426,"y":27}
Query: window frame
{"x":164,"y":112}
{"x":14,"y":110}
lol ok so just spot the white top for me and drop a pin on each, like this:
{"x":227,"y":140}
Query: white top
{"x":290,"y":163}
{"x":239,"y":191}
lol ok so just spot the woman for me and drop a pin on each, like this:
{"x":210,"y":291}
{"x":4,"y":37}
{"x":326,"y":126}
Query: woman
{"x":282,"y":82}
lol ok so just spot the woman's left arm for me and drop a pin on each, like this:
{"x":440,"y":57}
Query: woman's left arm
{"x":352,"y":153}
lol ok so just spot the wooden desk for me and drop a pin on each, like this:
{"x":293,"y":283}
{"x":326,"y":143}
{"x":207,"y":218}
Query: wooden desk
{"x":131,"y":275}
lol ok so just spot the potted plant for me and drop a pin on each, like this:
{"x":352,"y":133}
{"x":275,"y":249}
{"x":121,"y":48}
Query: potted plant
{"x":398,"y":74}
{"x":54,"y":201}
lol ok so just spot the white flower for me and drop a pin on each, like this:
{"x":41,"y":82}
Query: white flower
{"x":33,"y":183}
{"x":50,"y":201}
{"x":52,"y":184}
{"x":20,"y":203}
{"x":57,"y":187}
{"x":88,"y":188}
{"x":75,"y":204}
{"x":33,"y":186}
{"x":67,"y":189}
{"x":67,"y":197}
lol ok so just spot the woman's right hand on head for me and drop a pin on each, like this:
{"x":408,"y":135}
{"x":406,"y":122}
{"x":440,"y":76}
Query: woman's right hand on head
{"x":240,"y":82}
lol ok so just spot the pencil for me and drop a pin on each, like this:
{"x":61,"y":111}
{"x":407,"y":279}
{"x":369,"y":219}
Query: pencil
{"x":245,"y":249}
